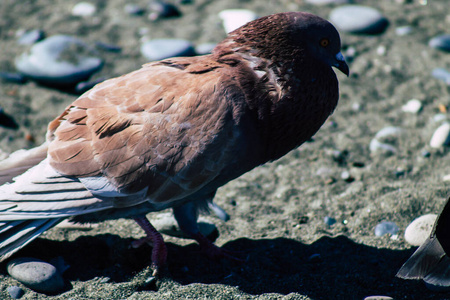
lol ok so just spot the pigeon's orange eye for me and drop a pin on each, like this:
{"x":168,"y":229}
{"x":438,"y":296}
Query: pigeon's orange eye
{"x":324,"y":42}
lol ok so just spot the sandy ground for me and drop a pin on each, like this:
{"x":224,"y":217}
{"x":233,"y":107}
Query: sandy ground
{"x":277,"y":210}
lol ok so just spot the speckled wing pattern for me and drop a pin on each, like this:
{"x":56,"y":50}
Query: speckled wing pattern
{"x":139,"y":134}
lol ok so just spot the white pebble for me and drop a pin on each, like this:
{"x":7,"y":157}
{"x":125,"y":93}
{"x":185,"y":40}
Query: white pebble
{"x":84,"y":9}
{"x":235,"y":18}
{"x":381,"y":50}
{"x":377,"y":146}
{"x":412,"y":106}
{"x":441,"y":136}
{"x":446,"y":178}
{"x":389,"y":131}
{"x":419,"y":230}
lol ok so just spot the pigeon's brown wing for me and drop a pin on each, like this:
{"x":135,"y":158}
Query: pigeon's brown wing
{"x":163,"y":130}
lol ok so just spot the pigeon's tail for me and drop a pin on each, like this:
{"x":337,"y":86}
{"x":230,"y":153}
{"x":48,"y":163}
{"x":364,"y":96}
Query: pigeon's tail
{"x":37,"y":200}
{"x":16,"y":234}
{"x":431,"y":262}
{"x":20,"y":161}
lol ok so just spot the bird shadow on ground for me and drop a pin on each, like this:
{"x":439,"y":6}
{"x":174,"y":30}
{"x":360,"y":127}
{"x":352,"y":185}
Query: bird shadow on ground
{"x":330,"y":267}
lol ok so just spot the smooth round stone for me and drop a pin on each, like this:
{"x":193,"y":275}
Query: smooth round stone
{"x":166,"y":223}
{"x":389,"y":131}
{"x":84,"y":9}
{"x":441,"y":137}
{"x":329,"y":221}
{"x":441,"y":42}
{"x":235,"y":18}
{"x":30,"y":37}
{"x":403,"y":30}
{"x":386,"y":227}
{"x":59,"y":60}
{"x":205,"y":48}
{"x":15,"y":292}
{"x":419,"y":230}
{"x":325,"y":2}
{"x":36,"y":274}
{"x":412,"y":106}
{"x":441,"y":74}
{"x":358,"y":19}
{"x":378,"y":298}
{"x":164,"y":48}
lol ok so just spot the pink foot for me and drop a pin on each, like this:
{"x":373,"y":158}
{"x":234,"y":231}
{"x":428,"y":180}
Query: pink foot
{"x":214,"y":252}
{"x":154,"y":238}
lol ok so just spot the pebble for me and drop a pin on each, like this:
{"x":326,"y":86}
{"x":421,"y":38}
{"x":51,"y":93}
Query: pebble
{"x":205,"y":48}
{"x":15,"y":292}
{"x":235,"y":18}
{"x":419,"y":230}
{"x":346,"y":176}
{"x":329,"y":221}
{"x":441,"y":137}
{"x":441,"y":42}
{"x":389,"y":132}
{"x":446,"y":178}
{"x":412,"y":106}
{"x":158,"y":49}
{"x":441,"y":74}
{"x":386,"y":227}
{"x":378,"y":298}
{"x":403,"y":30}
{"x":166,"y":223}
{"x":36,"y":274}
{"x":162,"y":10}
{"x":358,"y":19}
{"x":59,"y":60}
{"x":30,"y":37}
{"x":84,"y":9}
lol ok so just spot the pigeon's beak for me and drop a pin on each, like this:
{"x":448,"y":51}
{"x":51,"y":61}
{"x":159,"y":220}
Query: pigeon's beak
{"x":341,"y":64}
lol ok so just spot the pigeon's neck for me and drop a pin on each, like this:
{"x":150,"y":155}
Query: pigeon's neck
{"x":292,"y":102}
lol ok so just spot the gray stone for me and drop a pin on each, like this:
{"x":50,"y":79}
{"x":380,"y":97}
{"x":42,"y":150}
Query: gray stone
{"x":441,"y":42}
{"x":378,"y":298}
{"x":358,"y":19}
{"x":15,"y":292}
{"x":164,"y":48}
{"x":59,"y":60}
{"x":30,"y":37}
{"x":386,"y":227}
{"x":419,"y":230}
{"x":36,"y":274}
{"x":441,"y":74}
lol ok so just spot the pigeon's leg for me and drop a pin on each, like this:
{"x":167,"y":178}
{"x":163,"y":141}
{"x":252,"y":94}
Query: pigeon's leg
{"x":186,"y":216}
{"x":154,"y":238}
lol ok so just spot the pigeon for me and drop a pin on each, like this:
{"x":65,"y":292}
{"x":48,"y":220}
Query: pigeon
{"x":171,"y":133}
{"x":431,"y":261}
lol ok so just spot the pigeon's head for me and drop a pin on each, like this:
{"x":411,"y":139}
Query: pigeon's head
{"x":298,"y":37}
{"x":319,"y":38}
